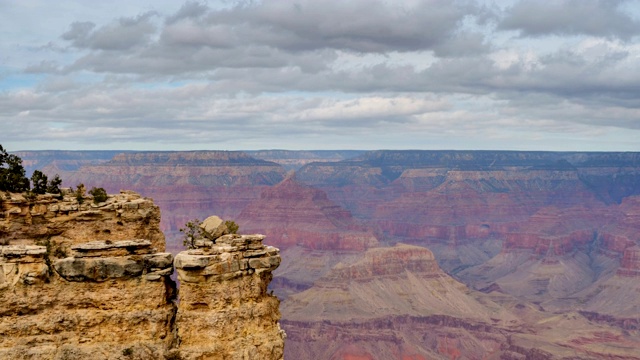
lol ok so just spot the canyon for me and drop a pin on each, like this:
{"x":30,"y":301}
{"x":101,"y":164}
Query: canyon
{"x":419,"y":254}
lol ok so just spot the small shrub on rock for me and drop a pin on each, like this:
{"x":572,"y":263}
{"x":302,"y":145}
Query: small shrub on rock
{"x":53,"y":186}
{"x":30,"y":195}
{"x":79,"y":193}
{"x":99,"y":194}
{"x":191,"y":232}
{"x":39,"y":181}
{"x":232,"y":227}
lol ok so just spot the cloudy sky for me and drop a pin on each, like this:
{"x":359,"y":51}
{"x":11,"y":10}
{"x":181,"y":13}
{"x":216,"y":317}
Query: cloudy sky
{"x":320,"y":74}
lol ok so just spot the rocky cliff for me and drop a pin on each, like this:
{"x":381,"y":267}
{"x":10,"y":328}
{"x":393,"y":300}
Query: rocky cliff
{"x":83,"y":280}
{"x":224,"y":310}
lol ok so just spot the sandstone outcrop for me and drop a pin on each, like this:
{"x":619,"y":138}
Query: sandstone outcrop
{"x":223,"y":296}
{"x":80,"y":280}
{"x":214,"y":227}
{"x":95,"y":304}
{"x":63,"y":223}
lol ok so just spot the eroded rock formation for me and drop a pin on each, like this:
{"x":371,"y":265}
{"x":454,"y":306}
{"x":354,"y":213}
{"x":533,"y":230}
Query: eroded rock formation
{"x":396,"y":303}
{"x":80,"y":280}
{"x":223,"y":296}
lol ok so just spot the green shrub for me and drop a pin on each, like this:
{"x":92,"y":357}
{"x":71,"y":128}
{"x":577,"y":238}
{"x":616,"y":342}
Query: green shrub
{"x":99,"y":195}
{"x":30,"y":195}
{"x":53,"y":186}
{"x":12,"y":173}
{"x":232,"y":226}
{"x":39,"y":181}
{"x":79,"y":193}
{"x":191,"y":232}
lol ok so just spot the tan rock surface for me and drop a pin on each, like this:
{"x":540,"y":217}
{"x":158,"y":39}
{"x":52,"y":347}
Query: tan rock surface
{"x":223,"y":296}
{"x":214,"y":227}
{"x":64,"y":223}
{"x":75,"y":311}
{"x":86,"y":281}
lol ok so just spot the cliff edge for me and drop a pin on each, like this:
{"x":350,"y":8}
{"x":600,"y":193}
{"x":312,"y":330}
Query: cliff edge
{"x":80,"y":279}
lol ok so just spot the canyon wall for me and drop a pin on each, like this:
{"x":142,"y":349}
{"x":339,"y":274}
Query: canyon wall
{"x":80,"y":279}
{"x":544,"y":243}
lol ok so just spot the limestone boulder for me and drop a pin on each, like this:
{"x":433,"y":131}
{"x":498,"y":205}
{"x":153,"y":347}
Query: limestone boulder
{"x":214,"y":227}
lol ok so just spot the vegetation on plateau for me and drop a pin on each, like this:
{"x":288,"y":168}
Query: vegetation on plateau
{"x":13,"y":179}
{"x":99,"y":194}
{"x":12,"y":174}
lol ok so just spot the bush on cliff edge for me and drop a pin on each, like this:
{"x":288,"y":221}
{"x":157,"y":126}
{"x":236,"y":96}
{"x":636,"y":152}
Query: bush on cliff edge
{"x":13,"y":177}
{"x":12,"y":173}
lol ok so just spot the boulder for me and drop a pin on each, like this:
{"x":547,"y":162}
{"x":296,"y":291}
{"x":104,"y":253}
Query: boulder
{"x":214,"y":227}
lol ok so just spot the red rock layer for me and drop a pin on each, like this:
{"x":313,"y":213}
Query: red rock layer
{"x":295,"y":214}
{"x":630,"y":265}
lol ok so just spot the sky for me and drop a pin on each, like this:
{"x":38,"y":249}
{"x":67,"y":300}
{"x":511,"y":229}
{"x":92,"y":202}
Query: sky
{"x":560,"y":75}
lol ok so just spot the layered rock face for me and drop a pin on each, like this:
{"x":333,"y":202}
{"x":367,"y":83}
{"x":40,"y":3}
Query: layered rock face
{"x":54,"y":161}
{"x":223,"y":296}
{"x":84,"y":280}
{"x":313,"y":232}
{"x":60,"y":224}
{"x":84,"y":291}
{"x":630,"y":262}
{"x":556,"y":230}
{"x":471,"y":206}
{"x":396,"y":303}
{"x":79,"y":307}
{"x":292,"y":214}
{"x":293,"y":160}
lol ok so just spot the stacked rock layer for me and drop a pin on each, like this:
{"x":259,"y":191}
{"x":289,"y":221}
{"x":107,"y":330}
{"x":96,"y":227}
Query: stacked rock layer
{"x":223,"y":296}
{"x":81,"y":280}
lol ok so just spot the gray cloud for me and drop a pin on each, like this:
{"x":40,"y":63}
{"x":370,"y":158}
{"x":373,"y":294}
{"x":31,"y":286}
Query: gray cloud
{"x":189,"y":10}
{"x":571,"y":17}
{"x":79,"y":33}
{"x":122,"y":35}
{"x":359,"y":25}
{"x":360,"y":73}
{"x":272,"y":34}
